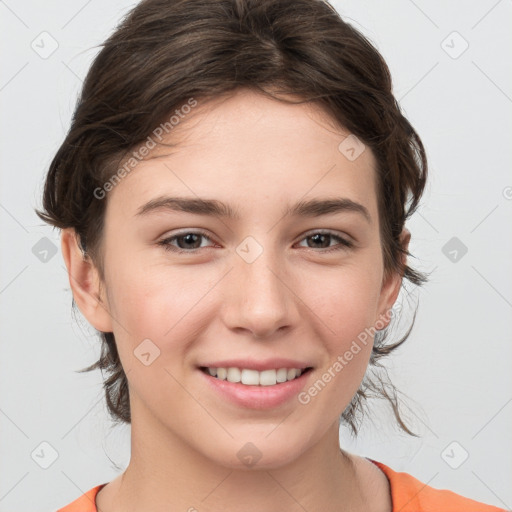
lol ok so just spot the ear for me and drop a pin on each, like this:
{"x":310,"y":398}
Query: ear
{"x":85,"y":282}
{"x":391,"y":286}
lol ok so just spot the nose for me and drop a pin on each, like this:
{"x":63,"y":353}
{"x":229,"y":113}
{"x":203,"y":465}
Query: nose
{"x":260,"y":297}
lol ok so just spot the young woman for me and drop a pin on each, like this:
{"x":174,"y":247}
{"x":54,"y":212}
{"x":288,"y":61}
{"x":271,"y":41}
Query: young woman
{"x":232,"y":195}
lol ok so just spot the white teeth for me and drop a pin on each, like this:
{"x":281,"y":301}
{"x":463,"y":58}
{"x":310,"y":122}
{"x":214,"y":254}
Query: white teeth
{"x":254,"y":377}
{"x":249,"y":377}
{"x":268,"y":378}
{"x":281,"y":375}
{"x":234,"y":375}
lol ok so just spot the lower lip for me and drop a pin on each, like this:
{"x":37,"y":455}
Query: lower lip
{"x":257,"y":397}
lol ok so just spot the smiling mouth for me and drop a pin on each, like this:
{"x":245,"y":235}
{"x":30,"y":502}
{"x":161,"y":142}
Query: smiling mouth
{"x":255,"y":378}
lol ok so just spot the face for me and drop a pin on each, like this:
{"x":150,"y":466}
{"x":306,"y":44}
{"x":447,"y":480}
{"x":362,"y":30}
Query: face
{"x":186,"y":288}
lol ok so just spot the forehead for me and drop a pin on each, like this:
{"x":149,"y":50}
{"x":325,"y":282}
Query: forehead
{"x":248,"y":148}
{"x":250,"y":119}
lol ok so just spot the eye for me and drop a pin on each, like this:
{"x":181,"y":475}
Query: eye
{"x":187,"y":241}
{"x":190,"y":241}
{"x":323,"y":238}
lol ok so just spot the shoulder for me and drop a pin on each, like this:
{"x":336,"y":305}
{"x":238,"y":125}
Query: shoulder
{"x":409,"y":494}
{"x":84,"y":503}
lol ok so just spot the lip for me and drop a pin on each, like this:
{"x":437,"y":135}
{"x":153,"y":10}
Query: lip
{"x":253,"y":364}
{"x":256,"y":397}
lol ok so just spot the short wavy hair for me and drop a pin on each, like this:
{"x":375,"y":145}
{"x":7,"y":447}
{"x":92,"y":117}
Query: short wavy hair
{"x":165,"y":51}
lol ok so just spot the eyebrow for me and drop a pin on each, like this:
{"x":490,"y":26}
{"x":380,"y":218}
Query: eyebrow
{"x":212,"y":207}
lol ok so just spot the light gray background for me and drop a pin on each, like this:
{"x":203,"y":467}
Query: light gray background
{"x":455,"y":367}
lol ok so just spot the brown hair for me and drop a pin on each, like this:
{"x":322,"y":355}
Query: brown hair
{"x":166,"y":51}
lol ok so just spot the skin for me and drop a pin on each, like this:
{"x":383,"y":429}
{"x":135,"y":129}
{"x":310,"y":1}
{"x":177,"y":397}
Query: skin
{"x":295,"y":300}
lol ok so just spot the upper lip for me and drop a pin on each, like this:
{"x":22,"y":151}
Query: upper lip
{"x":253,"y":364}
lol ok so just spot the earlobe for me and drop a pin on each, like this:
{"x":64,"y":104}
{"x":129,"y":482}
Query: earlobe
{"x":391,"y":287}
{"x":85,"y":282}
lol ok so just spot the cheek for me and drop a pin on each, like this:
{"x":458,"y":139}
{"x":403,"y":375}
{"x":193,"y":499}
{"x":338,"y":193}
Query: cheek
{"x":346,"y":305}
{"x":160,"y":315}
{"x":343,"y":305}
{"x":164,"y":305}
{"x":346,"y":299}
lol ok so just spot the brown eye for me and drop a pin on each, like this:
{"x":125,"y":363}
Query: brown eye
{"x":188,"y":241}
{"x":322,"y":240}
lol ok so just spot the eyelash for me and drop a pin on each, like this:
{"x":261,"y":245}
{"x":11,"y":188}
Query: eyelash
{"x":343,"y":243}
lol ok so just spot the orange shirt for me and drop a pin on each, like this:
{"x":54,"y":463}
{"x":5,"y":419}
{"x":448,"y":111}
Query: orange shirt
{"x":408,"y":494}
